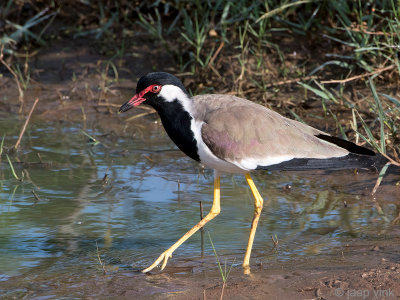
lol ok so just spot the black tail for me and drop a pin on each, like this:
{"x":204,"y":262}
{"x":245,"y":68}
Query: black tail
{"x":349,"y":146}
{"x":350,"y":161}
{"x":358,"y":158}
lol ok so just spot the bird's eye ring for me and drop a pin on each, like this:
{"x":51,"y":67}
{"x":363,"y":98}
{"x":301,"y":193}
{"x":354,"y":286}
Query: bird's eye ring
{"x":156,"y":88}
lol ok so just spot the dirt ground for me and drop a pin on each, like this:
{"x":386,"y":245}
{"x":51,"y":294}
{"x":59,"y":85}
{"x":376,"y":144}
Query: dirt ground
{"x":73,"y":85}
{"x":354,"y":271}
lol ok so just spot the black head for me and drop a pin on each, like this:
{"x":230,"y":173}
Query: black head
{"x":149,"y":87}
{"x":160,"y":78}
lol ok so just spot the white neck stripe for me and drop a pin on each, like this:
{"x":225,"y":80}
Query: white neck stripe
{"x":170,"y":93}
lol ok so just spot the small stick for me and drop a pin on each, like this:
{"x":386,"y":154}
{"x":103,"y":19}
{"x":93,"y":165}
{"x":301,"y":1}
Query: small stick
{"x":139,"y":116}
{"x":396,"y":220}
{"x":216,"y":54}
{"x":364,"y":31}
{"x":104,"y":181}
{"x":148,"y":158}
{"x":291,"y":81}
{"x":396,"y":157}
{"x":83,"y":113}
{"x":25,"y":171}
{"x":392,"y":161}
{"x":275,"y":241}
{"x":202,"y":229}
{"x":1,"y":146}
{"x":179,"y":192}
{"x":25,"y":125}
{"x":109,"y":104}
{"x":360,"y":76}
{"x":35,"y":195}
{"x":103,"y":265}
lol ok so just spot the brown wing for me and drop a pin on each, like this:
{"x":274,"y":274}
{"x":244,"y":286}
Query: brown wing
{"x":236,"y":129}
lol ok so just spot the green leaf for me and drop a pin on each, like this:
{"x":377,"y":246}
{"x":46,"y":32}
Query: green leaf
{"x":12,"y":168}
{"x":382,"y":116}
{"x":315,"y":91}
{"x":371,"y":138}
{"x":392,"y":99}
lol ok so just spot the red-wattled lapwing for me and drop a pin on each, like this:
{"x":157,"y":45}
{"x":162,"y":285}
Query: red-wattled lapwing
{"x":234,"y":135}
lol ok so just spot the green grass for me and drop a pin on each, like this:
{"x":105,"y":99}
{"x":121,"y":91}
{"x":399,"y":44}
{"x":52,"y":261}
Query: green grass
{"x":380,"y":129}
{"x":12,"y":168}
{"x":93,"y":140}
{"x":224,"y":270}
{"x":2,"y":145}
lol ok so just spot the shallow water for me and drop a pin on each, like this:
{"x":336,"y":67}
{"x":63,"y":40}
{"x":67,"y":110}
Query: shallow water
{"x":151,"y":197}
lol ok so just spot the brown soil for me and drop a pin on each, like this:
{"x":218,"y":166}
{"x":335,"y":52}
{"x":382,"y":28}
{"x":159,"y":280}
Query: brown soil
{"x":354,"y":271}
{"x":71,"y":84}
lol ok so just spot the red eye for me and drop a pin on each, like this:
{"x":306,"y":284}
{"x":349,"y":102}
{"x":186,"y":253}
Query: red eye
{"x":156,"y":88}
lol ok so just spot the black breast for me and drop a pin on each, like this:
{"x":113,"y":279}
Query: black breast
{"x":177,"y":124}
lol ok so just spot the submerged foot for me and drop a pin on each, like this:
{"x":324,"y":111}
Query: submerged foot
{"x":164,"y":256}
{"x":246,"y":269}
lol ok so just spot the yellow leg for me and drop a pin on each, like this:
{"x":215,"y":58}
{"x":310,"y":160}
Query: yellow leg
{"x":215,"y":210}
{"x":258,"y":204}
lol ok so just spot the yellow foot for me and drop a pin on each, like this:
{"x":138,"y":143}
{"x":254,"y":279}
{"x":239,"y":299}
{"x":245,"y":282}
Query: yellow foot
{"x":246,"y":269}
{"x":164,"y":256}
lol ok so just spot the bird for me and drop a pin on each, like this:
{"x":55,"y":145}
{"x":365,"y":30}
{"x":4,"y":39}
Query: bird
{"x":230,"y":134}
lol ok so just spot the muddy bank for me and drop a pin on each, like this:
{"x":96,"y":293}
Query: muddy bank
{"x":369,"y":268}
{"x":74,"y":82}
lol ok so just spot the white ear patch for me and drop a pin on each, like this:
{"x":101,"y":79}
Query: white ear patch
{"x":170,"y":93}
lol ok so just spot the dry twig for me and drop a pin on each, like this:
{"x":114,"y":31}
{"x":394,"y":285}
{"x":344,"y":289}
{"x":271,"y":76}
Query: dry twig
{"x":291,"y":81}
{"x":391,"y":160}
{"x":354,"y":29}
{"x":139,"y":116}
{"x":26,"y":124}
{"x":275,"y":241}
{"x":103,"y":265}
{"x":35,"y":195}
{"x":216,"y":54}
{"x":377,"y":71}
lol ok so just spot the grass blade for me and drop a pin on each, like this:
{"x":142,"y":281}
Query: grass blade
{"x":380,"y":177}
{"x":339,"y":63}
{"x":382,"y":115}
{"x":1,"y":146}
{"x":216,"y":256}
{"x":320,"y":93}
{"x":282,"y":8}
{"x":371,"y":139}
{"x":296,"y":116}
{"x":94,"y":140}
{"x":12,"y":168}
{"x":391,"y":99}
{"x":344,"y":136}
